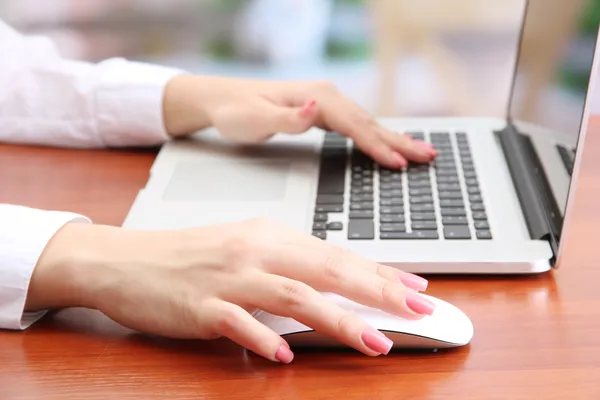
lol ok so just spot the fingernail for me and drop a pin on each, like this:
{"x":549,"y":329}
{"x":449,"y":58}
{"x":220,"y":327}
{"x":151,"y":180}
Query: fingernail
{"x":414,"y":282}
{"x":419,"y":304}
{"x":427,"y":148}
{"x":399,"y":160}
{"x":376,"y":341}
{"x":284,"y":354}
{"x":308,"y":109}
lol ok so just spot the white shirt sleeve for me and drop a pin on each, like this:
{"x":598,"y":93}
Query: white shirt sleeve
{"x":24,"y":234}
{"x":48,"y":100}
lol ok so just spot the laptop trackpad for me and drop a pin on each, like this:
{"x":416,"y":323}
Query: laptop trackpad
{"x":229,"y":181}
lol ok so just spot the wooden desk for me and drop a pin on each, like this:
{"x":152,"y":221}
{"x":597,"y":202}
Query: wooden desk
{"x":535,"y":337}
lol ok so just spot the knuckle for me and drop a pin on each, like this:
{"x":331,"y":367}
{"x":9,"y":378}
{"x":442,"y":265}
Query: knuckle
{"x":225,"y":322}
{"x":345,"y":324}
{"x":334,"y":263}
{"x":240,"y":247}
{"x":390,"y":292}
{"x":365,"y":120}
{"x":293,"y":293}
{"x":325,"y":85}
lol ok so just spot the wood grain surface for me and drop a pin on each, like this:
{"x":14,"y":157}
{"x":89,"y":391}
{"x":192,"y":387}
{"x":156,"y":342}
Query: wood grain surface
{"x":535,"y":337}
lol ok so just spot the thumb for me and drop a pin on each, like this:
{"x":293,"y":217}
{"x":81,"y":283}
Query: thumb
{"x":292,"y":119}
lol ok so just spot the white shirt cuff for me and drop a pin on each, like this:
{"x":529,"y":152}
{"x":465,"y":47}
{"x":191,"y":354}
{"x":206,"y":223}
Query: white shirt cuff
{"x":24,"y":234}
{"x":129,"y":101}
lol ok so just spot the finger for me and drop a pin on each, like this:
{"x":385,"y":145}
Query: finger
{"x":411,"y":281}
{"x":235,"y":323}
{"x":291,"y":119}
{"x":413,"y":150}
{"x":345,"y":117}
{"x":338,"y":271}
{"x":285,"y":297}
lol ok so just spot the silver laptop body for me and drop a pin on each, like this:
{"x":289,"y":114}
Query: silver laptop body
{"x":494,"y":202}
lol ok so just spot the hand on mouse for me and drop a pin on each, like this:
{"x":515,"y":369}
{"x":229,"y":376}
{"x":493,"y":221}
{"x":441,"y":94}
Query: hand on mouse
{"x":252,"y":111}
{"x":205,"y":282}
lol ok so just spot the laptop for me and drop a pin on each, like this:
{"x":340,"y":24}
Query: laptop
{"x":493,"y":202}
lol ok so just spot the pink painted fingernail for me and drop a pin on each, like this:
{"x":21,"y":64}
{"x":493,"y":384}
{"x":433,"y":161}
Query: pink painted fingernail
{"x":414,"y":282}
{"x":427,"y":147}
{"x":284,"y":354}
{"x":419,"y":304}
{"x":399,"y":160}
{"x":376,"y":341}
{"x":307,"y":110}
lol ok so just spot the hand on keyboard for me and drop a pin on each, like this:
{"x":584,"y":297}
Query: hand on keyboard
{"x":252,"y":111}
{"x":205,"y":283}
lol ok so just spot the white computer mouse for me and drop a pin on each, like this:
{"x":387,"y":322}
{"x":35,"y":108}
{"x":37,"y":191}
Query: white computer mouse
{"x":447,"y":327}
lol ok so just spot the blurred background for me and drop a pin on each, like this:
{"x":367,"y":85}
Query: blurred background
{"x":394,"y":57}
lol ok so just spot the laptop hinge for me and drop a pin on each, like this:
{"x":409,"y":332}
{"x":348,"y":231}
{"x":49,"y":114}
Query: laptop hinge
{"x":542,"y":214}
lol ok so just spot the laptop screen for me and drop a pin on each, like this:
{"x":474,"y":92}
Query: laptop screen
{"x":552,"y":73}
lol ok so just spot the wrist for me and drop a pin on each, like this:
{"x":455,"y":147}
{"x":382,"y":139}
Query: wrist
{"x":74,"y":264}
{"x":185,"y":105}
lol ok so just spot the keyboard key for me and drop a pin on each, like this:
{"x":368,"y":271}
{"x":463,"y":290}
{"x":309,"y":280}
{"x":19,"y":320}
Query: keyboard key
{"x":320,"y":217}
{"x":469,"y":174}
{"x":475,"y":198}
{"x":391,"y":210}
{"x":394,"y":201}
{"x":483,"y":225}
{"x":424,"y":226}
{"x":451,"y":203}
{"x":362,"y":215}
{"x":471,"y":182}
{"x":419,"y":192}
{"x":409,"y":235}
{"x":398,"y":227}
{"x":453,"y":212}
{"x":335,"y":226}
{"x":439,"y":136}
{"x":390,"y":194}
{"x":422,"y":217}
{"x":457,"y":232}
{"x":484,"y":235}
{"x":329,"y":208}
{"x":446,"y":195}
{"x":479,"y":216}
{"x":421,"y":200}
{"x":389,"y":218}
{"x":445,"y":172}
{"x":441,"y":180}
{"x":445,"y":165}
{"x":473,"y":190}
{"x":477,"y":207}
{"x":421,"y":208}
{"x":392,"y":185}
{"x":361,"y":206}
{"x":361,"y":229}
{"x":319,"y":226}
{"x":359,"y":198}
{"x":390,"y":179}
{"x":455,"y":220}
{"x":448,"y":187}
{"x":320,"y":234}
{"x":326,"y":199}
{"x":420,"y":184}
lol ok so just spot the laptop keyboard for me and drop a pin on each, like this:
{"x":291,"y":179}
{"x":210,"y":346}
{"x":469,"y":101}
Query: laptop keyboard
{"x":567,"y":156}
{"x":438,"y":201}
